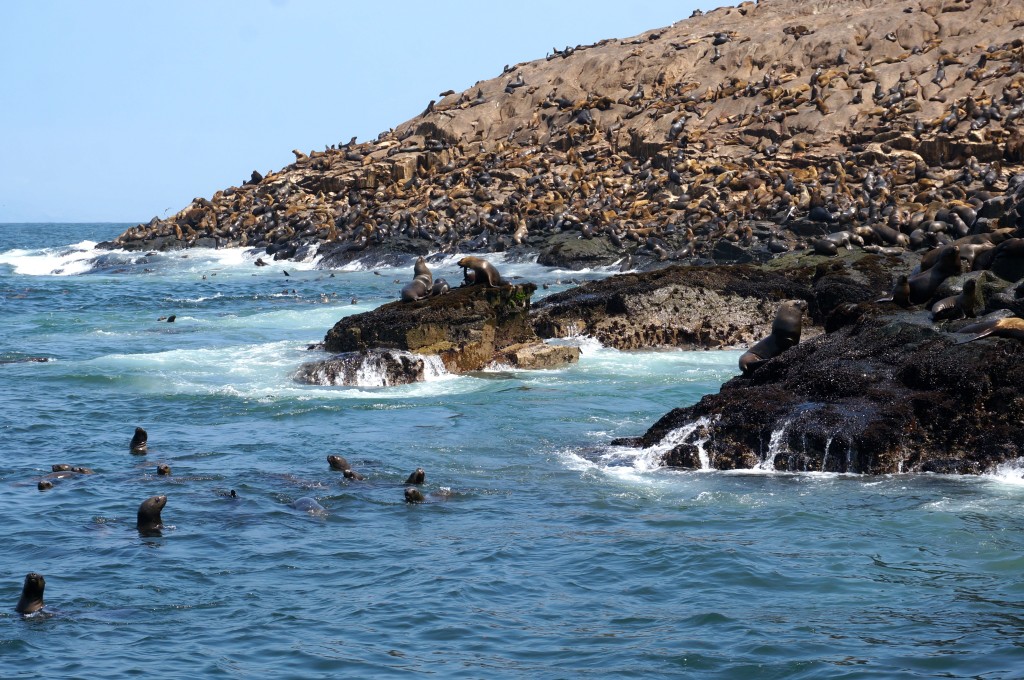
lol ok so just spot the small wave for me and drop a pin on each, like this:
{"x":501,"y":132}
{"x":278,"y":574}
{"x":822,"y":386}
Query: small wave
{"x":1010,"y":472}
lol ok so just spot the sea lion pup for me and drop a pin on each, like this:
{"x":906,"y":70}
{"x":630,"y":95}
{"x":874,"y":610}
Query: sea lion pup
{"x":823,"y":246}
{"x":1005,"y":327}
{"x":900,"y":293}
{"x":139,"y":441}
{"x":785,"y":334}
{"x":31,"y":594}
{"x":440,"y":287}
{"x":484,"y":273}
{"x":413,"y":495}
{"x":338,"y":463}
{"x":421,"y":284}
{"x":417,"y":477}
{"x":149,"y":514}
{"x":966,"y":303}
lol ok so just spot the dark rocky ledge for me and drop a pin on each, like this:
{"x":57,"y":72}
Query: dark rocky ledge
{"x":469,"y":328}
{"x":886,"y":393}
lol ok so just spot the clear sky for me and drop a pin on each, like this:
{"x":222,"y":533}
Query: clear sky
{"x":121,"y":110}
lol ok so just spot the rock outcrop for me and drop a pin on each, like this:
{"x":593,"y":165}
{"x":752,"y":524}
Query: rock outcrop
{"x":468,"y":328}
{"x":727,"y":137}
{"x":886,"y":393}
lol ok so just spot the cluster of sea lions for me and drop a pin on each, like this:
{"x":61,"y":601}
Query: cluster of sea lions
{"x":149,"y":521}
{"x":476,"y":271}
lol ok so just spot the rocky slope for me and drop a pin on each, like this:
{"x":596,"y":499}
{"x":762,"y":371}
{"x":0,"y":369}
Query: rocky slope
{"x":723,"y":138}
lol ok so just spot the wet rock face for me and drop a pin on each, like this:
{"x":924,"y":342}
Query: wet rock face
{"x":364,"y":369}
{"x":885,"y":394}
{"x":467,"y":328}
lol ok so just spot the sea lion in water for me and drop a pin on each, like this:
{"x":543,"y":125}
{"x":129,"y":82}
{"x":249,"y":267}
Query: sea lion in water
{"x":307,"y":504}
{"x":149,"y":514}
{"x":484,"y":273}
{"x":413,"y":495}
{"x":163,"y":469}
{"x":417,"y":477}
{"x":421,"y":284}
{"x":44,"y":484}
{"x":31,"y":594}
{"x":338,"y":463}
{"x":352,"y":474}
{"x":139,"y":441}
{"x":785,"y":334}
{"x":1005,"y":327}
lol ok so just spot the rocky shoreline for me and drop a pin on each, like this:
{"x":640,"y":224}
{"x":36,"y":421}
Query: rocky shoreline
{"x":865,"y":157}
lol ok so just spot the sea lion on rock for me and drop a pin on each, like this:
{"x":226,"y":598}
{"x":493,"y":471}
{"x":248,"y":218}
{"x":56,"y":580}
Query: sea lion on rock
{"x":484,"y":273}
{"x":440,"y":287}
{"x":1005,"y":327}
{"x":421,"y":284}
{"x":785,"y":334}
{"x":338,"y":463}
{"x":139,"y":441}
{"x":417,"y":477}
{"x":900,"y":293}
{"x":924,"y":284}
{"x":149,"y":514}
{"x":31,"y":594}
{"x":967,"y":303}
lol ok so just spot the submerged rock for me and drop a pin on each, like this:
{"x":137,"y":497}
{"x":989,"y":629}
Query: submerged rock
{"x":378,"y":368}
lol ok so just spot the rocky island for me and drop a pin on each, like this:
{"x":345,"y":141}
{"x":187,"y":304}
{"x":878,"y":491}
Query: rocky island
{"x":863,"y":156}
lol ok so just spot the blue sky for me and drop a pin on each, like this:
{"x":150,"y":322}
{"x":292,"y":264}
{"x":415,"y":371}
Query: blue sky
{"x":122,"y":110}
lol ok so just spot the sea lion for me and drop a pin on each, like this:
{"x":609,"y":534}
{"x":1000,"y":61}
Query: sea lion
{"x":484,"y":272}
{"x":417,"y":477}
{"x":31,"y":594}
{"x":60,"y":467}
{"x":1005,"y":327}
{"x":352,"y":474}
{"x":163,"y":469}
{"x":421,"y":284}
{"x":900,"y":293}
{"x":924,"y":283}
{"x":338,"y":463}
{"x":139,"y":441}
{"x":823,"y":246}
{"x":149,"y":514}
{"x":44,"y":484}
{"x":785,"y":334}
{"x":413,"y":495}
{"x":440,"y":287}
{"x":310,"y":505}
{"x":967,"y":303}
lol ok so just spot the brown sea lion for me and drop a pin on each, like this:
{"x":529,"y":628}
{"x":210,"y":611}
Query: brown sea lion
{"x":440,"y":287}
{"x":31,"y":594}
{"x":338,"y":463}
{"x":1006,"y":327}
{"x":413,"y":495}
{"x":924,"y":283}
{"x":352,"y":474}
{"x":163,"y":469}
{"x":967,"y":303}
{"x":44,"y":484}
{"x":149,"y":514}
{"x":139,"y":441}
{"x":785,"y":334}
{"x":484,"y":273}
{"x":421,"y":284}
{"x":900,"y":293}
{"x":417,"y":477}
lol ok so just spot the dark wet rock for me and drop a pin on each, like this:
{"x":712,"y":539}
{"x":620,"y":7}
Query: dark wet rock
{"x":570,"y":251}
{"x":376,"y":368}
{"x":887,"y":393}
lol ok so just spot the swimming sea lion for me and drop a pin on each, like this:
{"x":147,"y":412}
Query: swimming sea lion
{"x":484,"y":272}
{"x":421,"y":284}
{"x":338,"y":463}
{"x":44,"y":484}
{"x":417,"y":477}
{"x":163,"y":469}
{"x":352,"y":474}
{"x":31,"y":594}
{"x":413,"y":495}
{"x":1006,"y":327}
{"x":139,"y":441}
{"x":307,"y":504}
{"x":60,"y":467}
{"x":785,"y":334}
{"x":149,"y":514}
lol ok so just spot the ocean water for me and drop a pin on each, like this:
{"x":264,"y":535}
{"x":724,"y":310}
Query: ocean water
{"x":541,"y":552}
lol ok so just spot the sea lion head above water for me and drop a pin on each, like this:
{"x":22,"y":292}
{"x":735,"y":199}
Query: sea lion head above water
{"x":139,"y":441}
{"x":338,"y":463}
{"x":31,"y":594}
{"x":149,"y":520}
{"x":413,"y":495}
{"x":417,"y":477}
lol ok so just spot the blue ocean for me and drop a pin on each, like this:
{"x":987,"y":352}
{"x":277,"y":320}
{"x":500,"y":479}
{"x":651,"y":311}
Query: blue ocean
{"x":540,"y":552}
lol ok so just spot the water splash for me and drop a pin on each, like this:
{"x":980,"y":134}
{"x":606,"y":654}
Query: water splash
{"x":824,"y":457}
{"x":1010,"y":472}
{"x":776,"y":445}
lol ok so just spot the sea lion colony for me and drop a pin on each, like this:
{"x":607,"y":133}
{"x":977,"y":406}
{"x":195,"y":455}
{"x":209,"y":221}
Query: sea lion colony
{"x":738,"y":134}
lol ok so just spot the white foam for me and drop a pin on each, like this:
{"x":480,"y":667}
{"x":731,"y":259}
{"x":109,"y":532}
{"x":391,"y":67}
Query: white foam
{"x":1010,"y":472}
{"x":68,"y":260}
